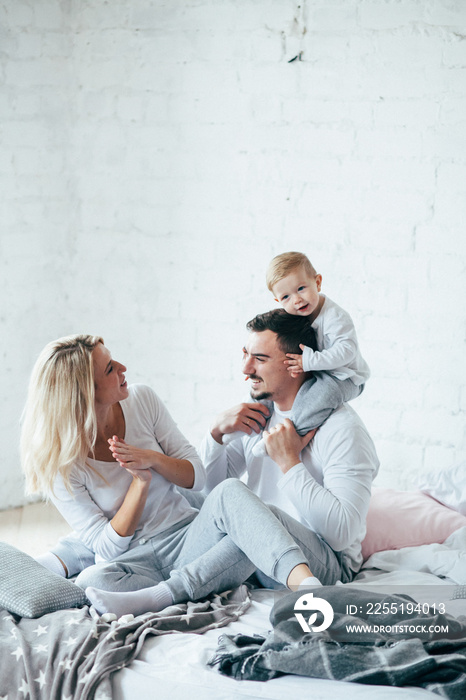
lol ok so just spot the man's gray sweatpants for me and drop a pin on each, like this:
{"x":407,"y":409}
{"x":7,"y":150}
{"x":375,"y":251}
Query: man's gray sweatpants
{"x":234,"y":534}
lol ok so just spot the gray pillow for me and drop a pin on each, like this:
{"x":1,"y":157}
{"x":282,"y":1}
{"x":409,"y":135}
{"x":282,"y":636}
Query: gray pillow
{"x":29,"y":589}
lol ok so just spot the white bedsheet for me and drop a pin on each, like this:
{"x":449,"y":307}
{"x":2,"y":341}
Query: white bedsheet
{"x":174,"y":667}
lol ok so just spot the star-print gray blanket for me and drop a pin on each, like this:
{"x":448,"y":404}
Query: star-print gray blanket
{"x":71,"y":653}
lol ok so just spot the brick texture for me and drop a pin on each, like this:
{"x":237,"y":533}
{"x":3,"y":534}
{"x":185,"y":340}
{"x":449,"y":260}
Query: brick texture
{"x":156,"y":155}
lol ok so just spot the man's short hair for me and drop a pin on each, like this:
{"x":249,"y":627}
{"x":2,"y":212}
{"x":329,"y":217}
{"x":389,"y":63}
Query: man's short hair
{"x":291,"y":330}
{"x":285,"y":263}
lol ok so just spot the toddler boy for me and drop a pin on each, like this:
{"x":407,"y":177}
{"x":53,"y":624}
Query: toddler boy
{"x":340,"y":367}
{"x":339,"y":370}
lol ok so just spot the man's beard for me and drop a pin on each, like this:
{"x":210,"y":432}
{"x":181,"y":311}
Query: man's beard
{"x":261,"y":395}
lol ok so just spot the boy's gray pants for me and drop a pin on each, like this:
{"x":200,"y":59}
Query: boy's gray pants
{"x":318,"y":397}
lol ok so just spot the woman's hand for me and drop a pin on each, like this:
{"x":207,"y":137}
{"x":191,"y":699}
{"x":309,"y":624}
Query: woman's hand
{"x":142,"y":475}
{"x":284,"y":445}
{"x":126,"y":519}
{"x":140,"y":463}
{"x":132,"y":458}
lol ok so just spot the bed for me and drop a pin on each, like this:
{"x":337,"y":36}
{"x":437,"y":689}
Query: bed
{"x":55,"y":646}
{"x":171,"y":667}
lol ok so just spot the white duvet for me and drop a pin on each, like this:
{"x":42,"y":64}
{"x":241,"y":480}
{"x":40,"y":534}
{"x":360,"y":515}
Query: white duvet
{"x":447,"y":560}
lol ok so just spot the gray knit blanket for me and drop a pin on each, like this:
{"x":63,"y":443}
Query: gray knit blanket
{"x":71,"y":653}
{"x":351,"y":649}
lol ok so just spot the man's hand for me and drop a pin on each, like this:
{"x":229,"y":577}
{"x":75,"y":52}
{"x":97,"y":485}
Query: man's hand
{"x":284,"y":445}
{"x":247,"y":417}
{"x":295,"y":363}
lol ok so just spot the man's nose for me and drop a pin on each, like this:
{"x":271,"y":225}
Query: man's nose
{"x":248,"y":366}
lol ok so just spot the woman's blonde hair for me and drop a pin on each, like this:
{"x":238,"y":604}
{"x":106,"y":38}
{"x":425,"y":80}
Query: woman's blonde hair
{"x":59,"y":424}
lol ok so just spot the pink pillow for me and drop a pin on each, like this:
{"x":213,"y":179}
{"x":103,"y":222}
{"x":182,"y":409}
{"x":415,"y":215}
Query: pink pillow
{"x":399,"y":519}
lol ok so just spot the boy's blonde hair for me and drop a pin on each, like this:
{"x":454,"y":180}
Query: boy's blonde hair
{"x":59,"y":425}
{"x":283,"y":264}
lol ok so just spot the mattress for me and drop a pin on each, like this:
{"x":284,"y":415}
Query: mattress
{"x":176,"y":666}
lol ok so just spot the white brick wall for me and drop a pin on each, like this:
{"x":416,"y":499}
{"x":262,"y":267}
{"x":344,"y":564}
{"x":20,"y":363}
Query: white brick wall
{"x":155,"y":155}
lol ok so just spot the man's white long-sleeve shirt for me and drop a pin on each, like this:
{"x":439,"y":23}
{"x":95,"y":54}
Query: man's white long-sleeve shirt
{"x":328,"y":492}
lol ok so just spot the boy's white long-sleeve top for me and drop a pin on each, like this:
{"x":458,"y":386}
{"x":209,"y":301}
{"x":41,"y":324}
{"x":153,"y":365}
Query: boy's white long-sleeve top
{"x":99,"y":489}
{"x":329,"y":491}
{"x":338,"y":349}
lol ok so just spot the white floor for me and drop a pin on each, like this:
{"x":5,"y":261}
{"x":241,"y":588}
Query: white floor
{"x":34,"y":528}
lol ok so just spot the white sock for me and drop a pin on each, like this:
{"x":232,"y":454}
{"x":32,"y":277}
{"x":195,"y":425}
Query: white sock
{"x":151,"y":599}
{"x":309,"y":581}
{"x":52,"y":563}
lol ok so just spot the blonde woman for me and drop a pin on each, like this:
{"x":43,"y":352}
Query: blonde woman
{"x":119,"y":493}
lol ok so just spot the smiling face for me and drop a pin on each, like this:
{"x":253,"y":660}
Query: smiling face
{"x":263,"y":363}
{"x":298,"y":293}
{"x":109,"y":378}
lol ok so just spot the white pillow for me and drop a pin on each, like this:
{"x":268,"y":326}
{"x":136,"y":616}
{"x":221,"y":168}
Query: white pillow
{"x":447,"y":486}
